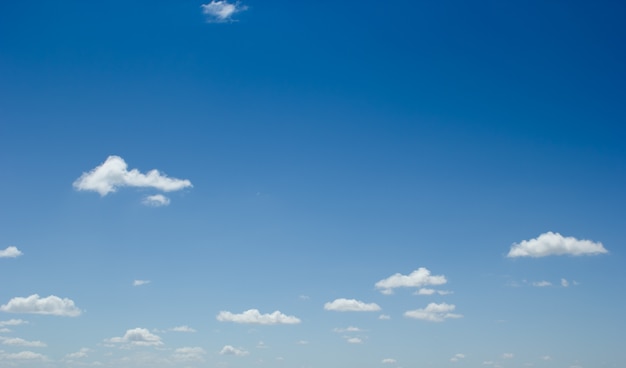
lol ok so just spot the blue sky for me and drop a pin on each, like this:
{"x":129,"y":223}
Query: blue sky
{"x":312,"y":184}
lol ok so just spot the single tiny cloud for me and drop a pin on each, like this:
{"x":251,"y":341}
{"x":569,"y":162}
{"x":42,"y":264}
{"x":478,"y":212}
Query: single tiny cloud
{"x":137,"y":337}
{"x":389,"y":361}
{"x":549,"y":244}
{"x":140,"y":282}
{"x":114,"y":174}
{"x":302,"y":342}
{"x":546,"y":357}
{"x":457,"y":357}
{"x":10,"y":252}
{"x":25,"y":355}
{"x":542,"y":283}
{"x":13,"y":322}
{"x":347,"y":329}
{"x":351,"y":305}
{"x":564,"y":283}
{"x":434,"y":312}
{"x":507,"y":356}
{"x":16,"y":341}
{"x":384,"y":317}
{"x":418,"y":278}
{"x":34,"y":304}
{"x":157,"y":200}
{"x":426,"y":291}
{"x":82,"y":353}
{"x":231,"y":350}
{"x":222,"y":11}
{"x":184,"y":328}
{"x":354,"y":340}
{"x":304,"y":297}
{"x":253,"y":316}
{"x":189,"y":354}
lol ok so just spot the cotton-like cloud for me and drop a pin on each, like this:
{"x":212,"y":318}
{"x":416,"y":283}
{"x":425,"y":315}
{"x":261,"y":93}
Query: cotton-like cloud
{"x":388,"y":361}
{"x":351,"y":305}
{"x":157,"y":200}
{"x":184,"y":328}
{"x":253,"y":316}
{"x":549,"y":244}
{"x":114,"y":174}
{"x":10,"y":252}
{"x":16,"y":341}
{"x":222,"y":11}
{"x":231,"y":350}
{"x":51,"y":305}
{"x":418,"y":278}
{"x":542,"y":283}
{"x":434,"y":312}
{"x":140,"y":282}
{"x":138,"y":337}
{"x":189,"y":354}
{"x":13,"y":322}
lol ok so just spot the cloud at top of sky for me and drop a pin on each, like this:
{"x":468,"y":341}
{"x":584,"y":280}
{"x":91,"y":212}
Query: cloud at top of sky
{"x":113,"y":174}
{"x":418,"y":278}
{"x":10,"y":252}
{"x":555,"y":244}
{"x":351,"y":305}
{"x":222,"y":11}
{"x":34,"y":304}
{"x":253,"y":316}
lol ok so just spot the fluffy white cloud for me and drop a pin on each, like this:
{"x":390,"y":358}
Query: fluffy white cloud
{"x":140,"y":282}
{"x":231,"y":350}
{"x":113,"y":174}
{"x":13,"y":322}
{"x":195,"y":354}
{"x":542,"y":283}
{"x":157,"y":200}
{"x":184,"y":328}
{"x":418,"y":278}
{"x":427,"y":291}
{"x":52,"y":305}
{"x":138,"y":337}
{"x":354,"y":340}
{"x":351,"y":305}
{"x":389,"y":361}
{"x":221,"y":11}
{"x":253,"y":316}
{"x":434,"y":312}
{"x":10,"y":252}
{"x":16,"y":341}
{"x":550,"y":243}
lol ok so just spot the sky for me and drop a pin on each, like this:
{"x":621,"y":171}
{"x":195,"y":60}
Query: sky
{"x":312,"y":184}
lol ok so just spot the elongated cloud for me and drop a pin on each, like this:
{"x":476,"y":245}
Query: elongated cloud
{"x":51,"y":305}
{"x":231,"y":350}
{"x":434,"y":312}
{"x":253,"y":316}
{"x":10,"y":252}
{"x":157,"y":200}
{"x":221,"y":11}
{"x":138,"y":337}
{"x":189,"y":354}
{"x":351,"y":305}
{"x":418,"y":278}
{"x":114,"y":174}
{"x":184,"y":328}
{"x":554,"y":244}
{"x":25,"y":355}
{"x":16,"y":341}
{"x":140,"y":282}
{"x":13,"y":322}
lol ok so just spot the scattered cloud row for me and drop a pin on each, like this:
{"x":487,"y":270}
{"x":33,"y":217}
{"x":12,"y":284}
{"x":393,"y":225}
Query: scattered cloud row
{"x":253,"y":316}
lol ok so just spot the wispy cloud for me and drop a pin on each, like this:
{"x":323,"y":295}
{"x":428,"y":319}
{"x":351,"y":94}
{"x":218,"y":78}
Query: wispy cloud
{"x":16,"y":341}
{"x":351,"y":305}
{"x":114,"y":174}
{"x":384,"y":317}
{"x":157,"y":200}
{"x":10,"y":252}
{"x":457,"y":357}
{"x":222,"y":11}
{"x":354,"y":340}
{"x":347,"y":329}
{"x":418,"y":278}
{"x":137,"y":337}
{"x":564,"y":283}
{"x":434,"y":312}
{"x":34,"y":304}
{"x":507,"y":356}
{"x":140,"y":282}
{"x":24,"y":355}
{"x":189,"y":354}
{"x":184,"y":328}
{"x":542,"y":283}
{"x":389,"y":361}
{"x":231,"y":350}
{"x":13,"y":322}
{"x":549,"y":244}
{"x":253,"y":316}
{"x":82,"y":353}
{"x":427,"y":291}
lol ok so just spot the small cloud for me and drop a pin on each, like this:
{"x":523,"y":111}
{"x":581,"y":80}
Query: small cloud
{"x":354,"y":340}
{"x":351,"y":305}
{"x":347,"y":329}
{"x":114,"y":174}
{"x":434,"y":312}
{"x":384,"y":317}
{"x":507,"y":356}
{"x":302,"y":342}
{"x":189,"y":354}
{"x":221,"y":11}
{"x":253,"y":316}
{"x":304,"y":297}
{"x":550,"y":243}
{"x":231,"y":350}
{"x":546,"y":357}
{"x":427,"y":291}
{"x":13,"y":322}
{"x":389,"y":361}
{"x":51,"y":305}
{"x":26,"y":355}
{"x":10,"y":252}
{"x":457,"y":357}
{"x":137,"y":337}
{"x":184,"y":328}
{"x":542,"y":284}
{"x":418,"y":278}
{"x":16,"y":341}
{"x":157,"y":200}
{"x":564,"y":283}
{"x":82,"y":353}
{"x":261,"y":345}
{"x":140,"y":282}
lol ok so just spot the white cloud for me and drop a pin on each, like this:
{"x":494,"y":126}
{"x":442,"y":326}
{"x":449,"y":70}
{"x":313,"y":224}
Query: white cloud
{"x":457,"y":357}
{"x":51,"y":305}
{"x":184,"y":328}
{"x":418,"y":278}
{"x":427,"y":291}
{"x":13,"y":322}
{"x":347,"y":329}
{"x":16,"y":341}
{"x":351,"y":305}
{"x":4,"y":330}
{"x":195,"y":354}
{"x":434,"y":312}
{"x":384,"y":317}
{"x":253,"y":316}
{"x":354,"y":340}
{"x":231,"y":350}
{"x":542,"y":283}
{"x":82,"y":353}
{"x":388,"y":361}
{"x":546,"y":357}
{"x":157,"y":200}
{"x":10,"y":252}
{"x":114,"y":174}
{"x":507,"y":356}
{"x":25,"y":355}
{"x":221,"y":11}
{"x":302,"y":342}
{"x":550,"y":243}
{"x":140,"y":282}
{"x":138,"y":337}
{"x":564,"y":283}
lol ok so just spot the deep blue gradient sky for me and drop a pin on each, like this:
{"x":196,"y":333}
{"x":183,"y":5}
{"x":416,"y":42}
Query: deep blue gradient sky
{"x":330,"y":145}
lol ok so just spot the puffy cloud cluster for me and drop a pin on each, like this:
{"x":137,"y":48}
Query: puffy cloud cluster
{"x":253,"y":316}
{"x":231,"y":350}
{"x":138,"y":337}
{"x":10,"y":252}
{"x":434,"y":312}
{"x":34,"y":304}
{"x":351,"y":305}
{"x":549,"y":244}
{"x":418,"y":278}
{"x":221,"y":11}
